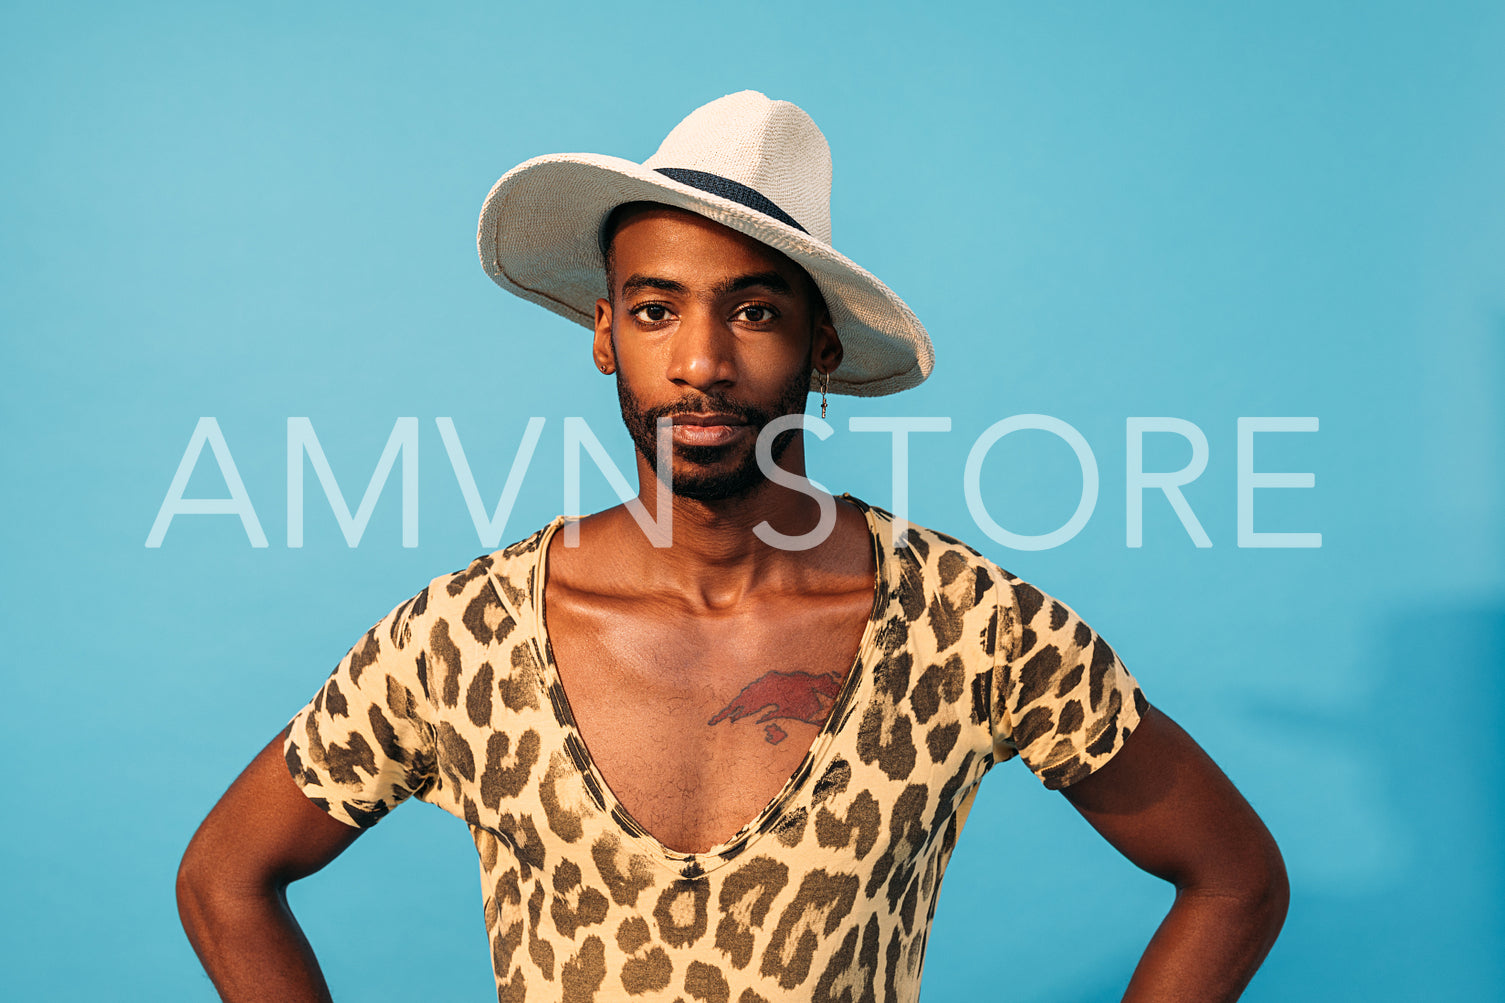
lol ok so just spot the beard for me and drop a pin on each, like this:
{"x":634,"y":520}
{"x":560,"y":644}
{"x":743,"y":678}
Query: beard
{"x":716,"y":473}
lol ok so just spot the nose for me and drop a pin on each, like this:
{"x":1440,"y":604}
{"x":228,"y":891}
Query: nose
{"x":702,"y":352}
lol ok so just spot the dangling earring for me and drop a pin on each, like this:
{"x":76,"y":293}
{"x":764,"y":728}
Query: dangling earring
{"x":825,"y":381}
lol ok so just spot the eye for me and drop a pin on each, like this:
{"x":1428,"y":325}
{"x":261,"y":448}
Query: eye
{"x":651,"y":313}
{"x":757,"y":313}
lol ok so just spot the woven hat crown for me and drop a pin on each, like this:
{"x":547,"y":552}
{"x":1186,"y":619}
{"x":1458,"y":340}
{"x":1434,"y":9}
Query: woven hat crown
{"x":772,"y":147}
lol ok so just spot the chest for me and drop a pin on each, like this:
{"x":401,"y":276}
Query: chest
{"x":696,"y":722}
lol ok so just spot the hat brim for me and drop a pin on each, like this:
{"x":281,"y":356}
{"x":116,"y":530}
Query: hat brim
{"x":538,"y":238}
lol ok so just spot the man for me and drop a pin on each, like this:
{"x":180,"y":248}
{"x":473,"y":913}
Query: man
{"x":718,"y":743}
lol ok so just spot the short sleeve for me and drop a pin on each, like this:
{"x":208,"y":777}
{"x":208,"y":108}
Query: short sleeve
{"x":1063,"y":701}
{"x":364,"y":744}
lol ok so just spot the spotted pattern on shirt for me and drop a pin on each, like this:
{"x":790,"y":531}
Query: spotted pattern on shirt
{"x":828,"y":895}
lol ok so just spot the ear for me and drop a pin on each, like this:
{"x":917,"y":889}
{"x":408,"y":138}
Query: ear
{"x":826,"y":352}
{"x":602,"y":350}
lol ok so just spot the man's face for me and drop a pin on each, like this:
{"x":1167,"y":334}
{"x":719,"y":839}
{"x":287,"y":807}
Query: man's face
{"x":714,"y":330}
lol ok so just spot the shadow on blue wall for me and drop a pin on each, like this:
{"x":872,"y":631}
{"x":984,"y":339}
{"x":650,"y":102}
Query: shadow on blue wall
{"x":1433,"y":930}
{"x":1430,"y":926}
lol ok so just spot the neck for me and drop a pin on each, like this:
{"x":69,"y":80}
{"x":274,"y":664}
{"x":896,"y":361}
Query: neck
{"x":716,"y":554}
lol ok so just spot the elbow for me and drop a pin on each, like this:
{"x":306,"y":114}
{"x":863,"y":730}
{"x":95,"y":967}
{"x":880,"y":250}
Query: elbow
{"x":213,"y":891}
{"x":1272,"y":898}
{"x":1262,"y":891}
{"x":1249,"y":887}
{"x":195,"y":893}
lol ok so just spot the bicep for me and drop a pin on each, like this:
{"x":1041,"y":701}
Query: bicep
{"x":264,"y":830}
{"x":1163,"y":803}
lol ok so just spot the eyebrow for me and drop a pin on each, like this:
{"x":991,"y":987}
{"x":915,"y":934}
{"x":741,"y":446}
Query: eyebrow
{"x":772,"y":281}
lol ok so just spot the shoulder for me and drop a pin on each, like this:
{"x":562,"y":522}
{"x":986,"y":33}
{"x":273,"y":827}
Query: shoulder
{"x":944,"y":586}
{"x":946,"y":577}
{"x":937,"y":562}
{"x":1059,"y":695}
{"x":491,"y":587}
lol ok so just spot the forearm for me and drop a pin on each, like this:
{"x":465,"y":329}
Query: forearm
{"x":1209,"y":946}
{"x":250,"y":944}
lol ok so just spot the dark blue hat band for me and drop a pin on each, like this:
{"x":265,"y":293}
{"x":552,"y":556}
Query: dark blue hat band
{"x":715,"y":184}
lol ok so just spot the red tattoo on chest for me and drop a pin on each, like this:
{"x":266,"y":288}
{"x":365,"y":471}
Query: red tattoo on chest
{"x":795,"y":696}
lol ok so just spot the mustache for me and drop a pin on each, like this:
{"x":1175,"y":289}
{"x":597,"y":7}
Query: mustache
{"x":707,"y":404}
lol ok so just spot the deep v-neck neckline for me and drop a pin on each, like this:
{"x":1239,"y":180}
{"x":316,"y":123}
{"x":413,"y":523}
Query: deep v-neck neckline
{"x":694,"y":864}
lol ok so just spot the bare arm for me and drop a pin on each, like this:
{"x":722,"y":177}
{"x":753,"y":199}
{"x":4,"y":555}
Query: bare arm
{"x":232,"y":884}
{"x":1167,"y":807}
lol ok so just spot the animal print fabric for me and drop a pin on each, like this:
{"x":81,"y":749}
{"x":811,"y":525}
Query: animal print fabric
{"x":827,"y":894}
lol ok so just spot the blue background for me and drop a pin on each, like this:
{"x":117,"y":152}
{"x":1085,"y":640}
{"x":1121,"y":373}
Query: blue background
{"x":1099,"y":210}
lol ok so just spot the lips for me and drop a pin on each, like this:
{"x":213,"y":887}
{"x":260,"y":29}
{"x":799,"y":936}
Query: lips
{"x":708,"y":429}
{"x":709,"y":419}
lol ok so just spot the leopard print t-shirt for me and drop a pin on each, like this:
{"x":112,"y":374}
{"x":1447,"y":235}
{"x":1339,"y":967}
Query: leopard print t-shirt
{"x":828,"y":893}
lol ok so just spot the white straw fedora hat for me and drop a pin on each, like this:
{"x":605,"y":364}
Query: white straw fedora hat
{"x":760,"y":167}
